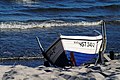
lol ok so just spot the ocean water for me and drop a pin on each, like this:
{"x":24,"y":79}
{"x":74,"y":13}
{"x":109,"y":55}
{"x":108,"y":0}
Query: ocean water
{"x":22,"y":20}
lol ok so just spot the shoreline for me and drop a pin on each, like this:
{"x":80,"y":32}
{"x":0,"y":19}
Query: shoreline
{"x":109,"y":71}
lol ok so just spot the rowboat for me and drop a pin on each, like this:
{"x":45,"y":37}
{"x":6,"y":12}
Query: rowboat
{"x":75,"y":50}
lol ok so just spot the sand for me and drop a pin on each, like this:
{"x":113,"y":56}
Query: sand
{"x":108,"y":71}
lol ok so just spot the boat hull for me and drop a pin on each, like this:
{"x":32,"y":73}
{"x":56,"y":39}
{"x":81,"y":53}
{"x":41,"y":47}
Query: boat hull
{"x":81,"y":58}
{"x":73,"y":51}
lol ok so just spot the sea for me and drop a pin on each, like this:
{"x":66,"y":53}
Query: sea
{"x":22,"y":20}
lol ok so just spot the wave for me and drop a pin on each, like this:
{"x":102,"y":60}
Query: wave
{"x":115,"y":22}
{"x":110,"y":7}
{"x":24,"y":1}
{"x":52,"y":23}
{"x":52,"y":9}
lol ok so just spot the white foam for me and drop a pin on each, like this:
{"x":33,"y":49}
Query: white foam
{"x":21,"y":25}
{"x":25,"y":2}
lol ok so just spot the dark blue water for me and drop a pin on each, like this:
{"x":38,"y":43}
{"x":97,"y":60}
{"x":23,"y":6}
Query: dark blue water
{"x":22,"y":20}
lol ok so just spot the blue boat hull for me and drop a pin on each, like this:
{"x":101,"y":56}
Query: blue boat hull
{"x":66,"y":59}
{"x":81,"y":58}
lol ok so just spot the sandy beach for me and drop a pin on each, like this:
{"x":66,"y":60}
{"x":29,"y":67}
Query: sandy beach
{"x":108,"y":71}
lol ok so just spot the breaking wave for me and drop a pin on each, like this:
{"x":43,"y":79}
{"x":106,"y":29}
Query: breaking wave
{"x":53,"y":23}
{"x":24,"y":1}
